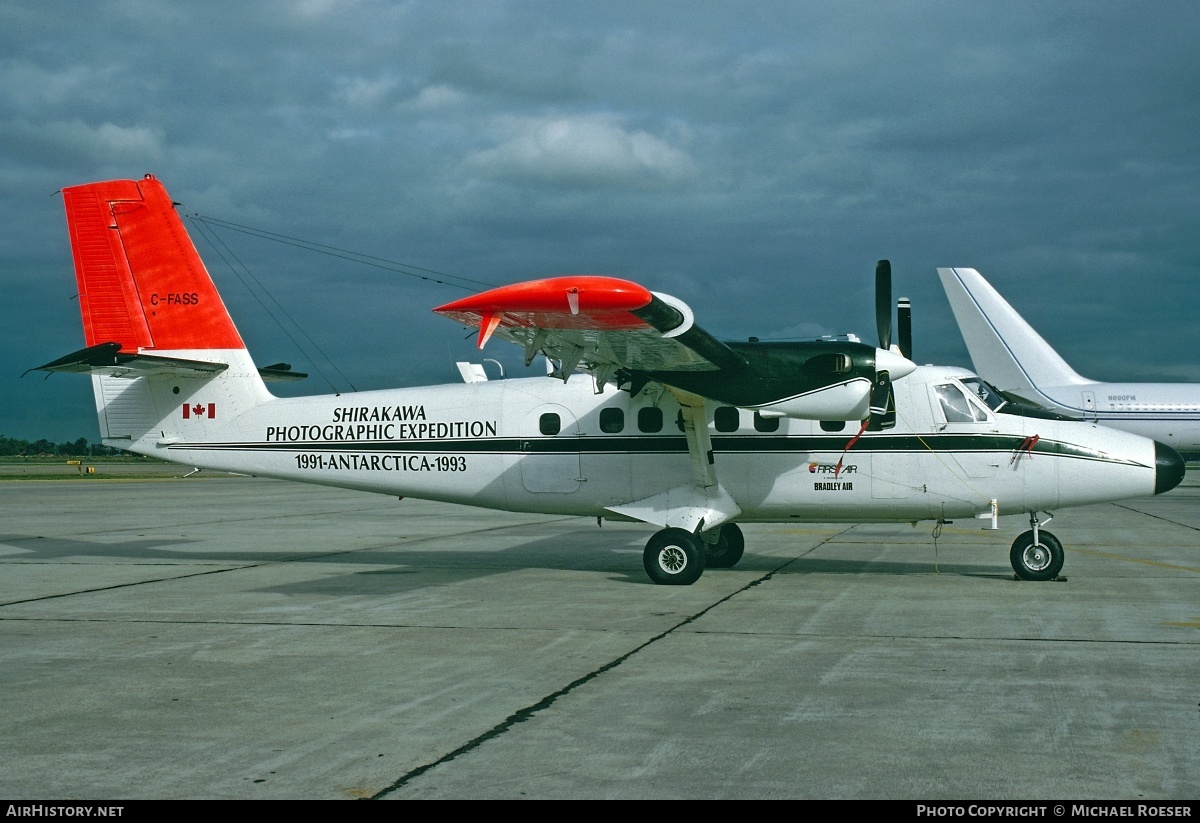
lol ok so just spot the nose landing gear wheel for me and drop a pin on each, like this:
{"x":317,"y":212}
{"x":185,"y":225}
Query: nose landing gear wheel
{"x":1042,"y":560}
{"x":674,"y":557}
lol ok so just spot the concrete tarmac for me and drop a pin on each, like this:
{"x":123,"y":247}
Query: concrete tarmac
{"x":239,"y":638}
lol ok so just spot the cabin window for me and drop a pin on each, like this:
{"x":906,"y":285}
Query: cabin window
{"x":726,"y":419}
{"x":549,"y":423}
{"x":679,"y":420}
{"x":650,"y":419}
{"x":833,"y":425}
{"x":612,"y":420}
{"x":765,"y":424}
{"x":955,"y":405}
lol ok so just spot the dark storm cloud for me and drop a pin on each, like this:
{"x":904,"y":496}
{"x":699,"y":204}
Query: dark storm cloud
{"x":753,"y":159}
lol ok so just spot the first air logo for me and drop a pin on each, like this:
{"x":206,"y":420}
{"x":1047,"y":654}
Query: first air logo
{"x":831,"y":468}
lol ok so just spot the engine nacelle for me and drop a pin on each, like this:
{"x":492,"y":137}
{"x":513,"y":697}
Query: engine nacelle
{"x":844,"y":401}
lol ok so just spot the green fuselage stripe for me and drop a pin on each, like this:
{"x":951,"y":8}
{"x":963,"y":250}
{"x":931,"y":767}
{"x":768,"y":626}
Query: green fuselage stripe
{"x":677,"y":444}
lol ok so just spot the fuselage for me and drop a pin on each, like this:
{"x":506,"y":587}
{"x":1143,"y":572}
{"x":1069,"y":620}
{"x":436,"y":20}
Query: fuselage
{"x":541,"y":444}
{"x":1167,"y":412}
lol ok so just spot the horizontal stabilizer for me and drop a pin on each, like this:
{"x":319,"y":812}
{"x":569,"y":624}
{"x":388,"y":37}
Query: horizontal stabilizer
{"x":108,"y":359}
{"x":280,"y":373}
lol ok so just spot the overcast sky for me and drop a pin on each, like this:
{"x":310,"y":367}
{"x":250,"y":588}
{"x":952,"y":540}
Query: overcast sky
{"x":753,"y":159}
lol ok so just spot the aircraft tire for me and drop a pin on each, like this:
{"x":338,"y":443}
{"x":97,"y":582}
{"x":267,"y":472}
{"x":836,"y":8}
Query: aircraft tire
{"x":727,"y":550}
{"x":674,"y":557}
{"x":1040,"y":561}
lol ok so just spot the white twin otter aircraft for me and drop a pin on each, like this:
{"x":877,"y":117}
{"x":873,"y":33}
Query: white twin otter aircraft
{"x":646,"y":416}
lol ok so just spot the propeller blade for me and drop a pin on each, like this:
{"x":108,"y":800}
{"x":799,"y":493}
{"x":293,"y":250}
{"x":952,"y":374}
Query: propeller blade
{"x":883,"y":403}
{"x":883,"y":302}
{"x":904,"y":326}
{"x":881,"y":394}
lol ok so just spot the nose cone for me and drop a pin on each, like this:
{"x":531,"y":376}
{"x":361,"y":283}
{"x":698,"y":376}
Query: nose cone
{"x":1168,"y":468}
{"x":894,"y":363}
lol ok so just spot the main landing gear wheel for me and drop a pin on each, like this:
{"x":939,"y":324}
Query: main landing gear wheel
{"x":1042,"y":560}
{"x":727,"y":549}
{"x":674,"y":557}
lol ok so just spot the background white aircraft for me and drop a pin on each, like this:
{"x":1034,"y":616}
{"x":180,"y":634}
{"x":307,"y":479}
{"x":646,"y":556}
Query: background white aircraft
{"x":647,"y":417}
{"x":1007,"y":352}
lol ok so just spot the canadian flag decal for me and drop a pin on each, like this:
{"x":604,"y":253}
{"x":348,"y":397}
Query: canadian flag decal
{"x":200,"y":410}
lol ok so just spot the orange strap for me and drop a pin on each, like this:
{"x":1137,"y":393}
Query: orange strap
{"x":838,"y":468}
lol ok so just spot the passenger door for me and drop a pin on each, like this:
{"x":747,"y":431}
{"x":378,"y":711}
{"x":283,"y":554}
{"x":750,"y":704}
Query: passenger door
{"x":550,"y":450}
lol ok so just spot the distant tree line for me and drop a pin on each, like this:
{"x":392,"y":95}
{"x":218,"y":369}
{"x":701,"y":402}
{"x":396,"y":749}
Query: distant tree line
{"x":14,"y":447}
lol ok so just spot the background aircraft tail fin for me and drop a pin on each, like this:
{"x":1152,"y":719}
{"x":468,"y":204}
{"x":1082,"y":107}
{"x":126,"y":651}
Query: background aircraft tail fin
{"x":166,"y":360}
{"x":1005,"y":350}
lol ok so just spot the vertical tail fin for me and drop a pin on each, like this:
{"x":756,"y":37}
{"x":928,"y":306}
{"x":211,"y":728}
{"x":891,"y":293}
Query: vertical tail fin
{"x":141,"y":282}
{"x":163,"y":352}
{"x":1004,"y":348}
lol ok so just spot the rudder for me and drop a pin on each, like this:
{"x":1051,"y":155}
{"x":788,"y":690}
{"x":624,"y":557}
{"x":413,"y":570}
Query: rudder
{"x":167,"y":362}
{"x":141,"y":281}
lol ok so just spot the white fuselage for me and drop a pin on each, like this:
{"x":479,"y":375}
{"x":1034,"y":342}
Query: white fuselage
{"x":1166,"y":412}
{"x":539,"y":444}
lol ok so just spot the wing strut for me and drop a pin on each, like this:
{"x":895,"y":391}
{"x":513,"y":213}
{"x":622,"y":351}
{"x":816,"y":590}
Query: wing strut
{"x":698,"y":506}
{"x":695,"y":426}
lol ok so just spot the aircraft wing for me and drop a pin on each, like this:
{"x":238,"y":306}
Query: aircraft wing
{"x":616,"y":328}
{"x":602,"y":323}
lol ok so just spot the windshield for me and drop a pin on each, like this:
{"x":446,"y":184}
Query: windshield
{"x":988,"y":394}
{"x":998,"y":402}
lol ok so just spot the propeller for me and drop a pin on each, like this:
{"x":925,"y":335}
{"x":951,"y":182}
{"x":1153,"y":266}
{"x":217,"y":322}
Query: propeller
{"x":904,"y":326}
{"x":883,"y":411}
{"x":883,"y":302}
{"x":883,"y":312}
{"x":881,"y":400}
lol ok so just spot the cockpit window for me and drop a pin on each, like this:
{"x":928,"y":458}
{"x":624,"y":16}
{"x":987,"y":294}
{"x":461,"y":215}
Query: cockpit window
{"x":955,"y":405}
{"x":988,"y":394}
{"x":1009,"y":404}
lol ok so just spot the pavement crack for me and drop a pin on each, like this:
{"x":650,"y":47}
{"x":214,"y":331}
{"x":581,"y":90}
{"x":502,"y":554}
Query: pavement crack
{"x":1157,"y":517}
{"x":527,"y":713}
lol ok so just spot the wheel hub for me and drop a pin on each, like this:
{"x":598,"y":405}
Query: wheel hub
{"x":1037,"y":557}
{"x":672,"y":559}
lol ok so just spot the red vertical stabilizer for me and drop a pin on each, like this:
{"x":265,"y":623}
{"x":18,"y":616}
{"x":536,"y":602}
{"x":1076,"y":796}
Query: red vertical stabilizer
{"x":141,"y":282}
